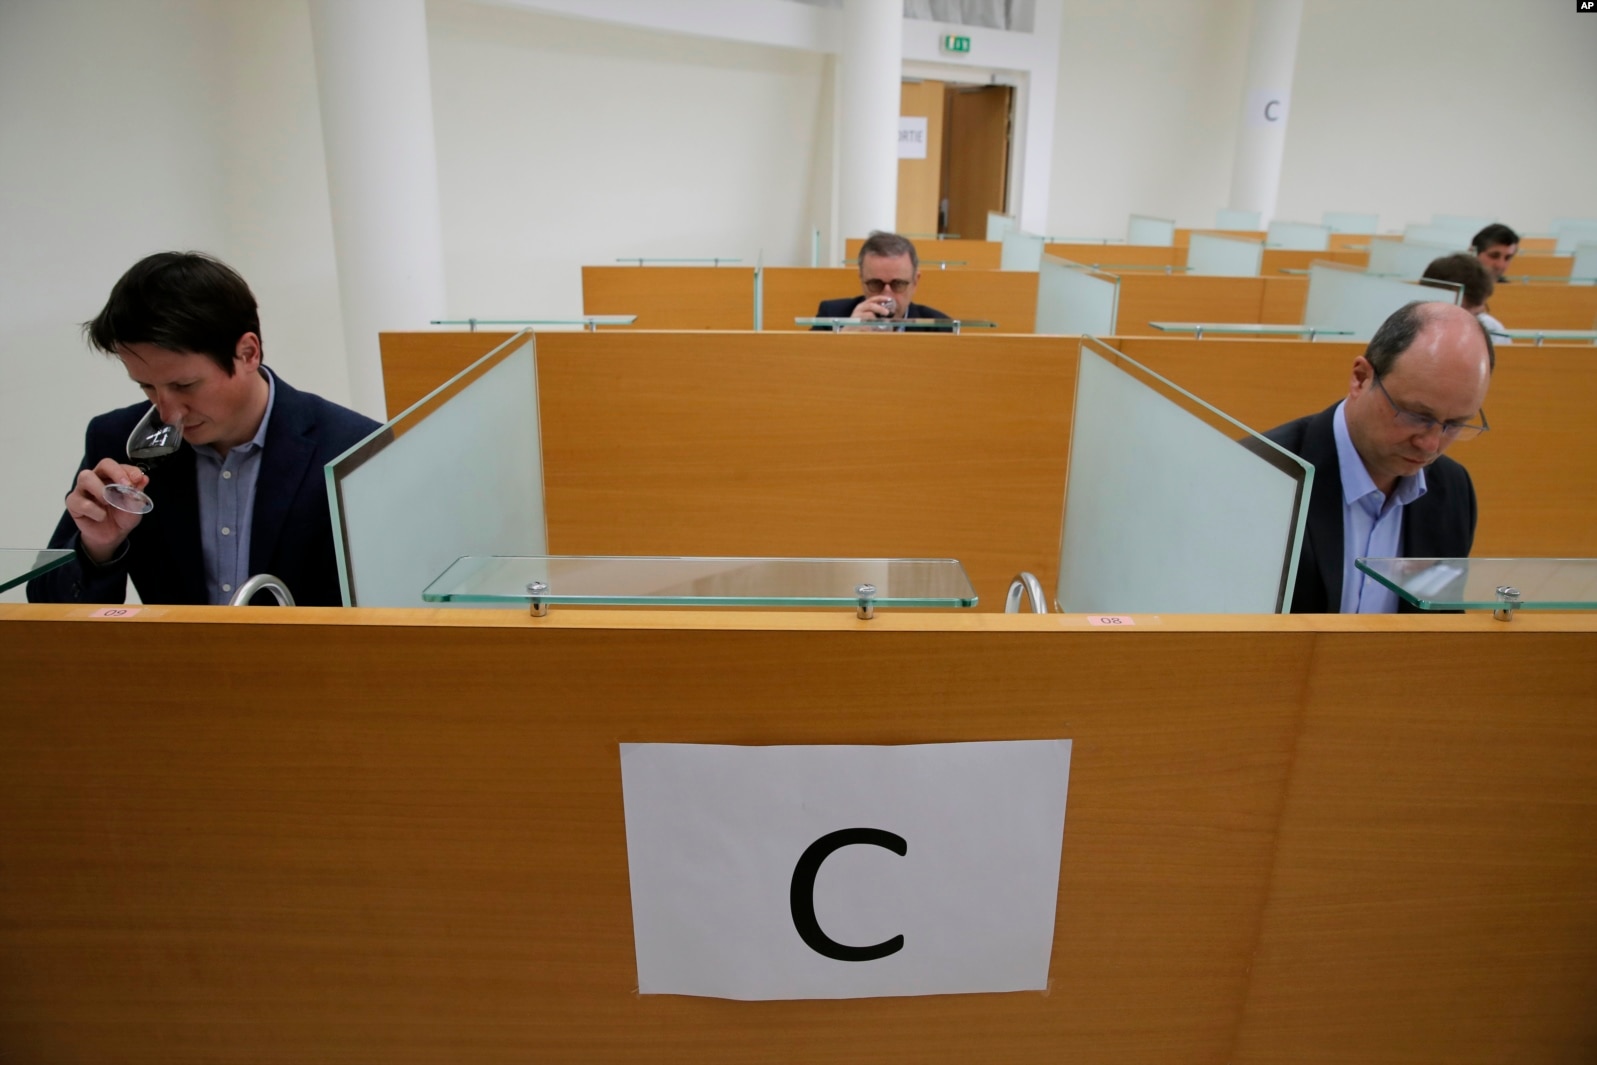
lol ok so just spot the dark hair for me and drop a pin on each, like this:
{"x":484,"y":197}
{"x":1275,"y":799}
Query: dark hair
{"x":1398,"y":333}
{"x":1493,"y":235}
{"x":888,"y":246}
{"x":180,"y":301}
{"x":1466,"y":270}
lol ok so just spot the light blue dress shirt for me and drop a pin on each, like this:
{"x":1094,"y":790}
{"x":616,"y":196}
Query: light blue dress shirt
{"x":1372,"y":524}
{"x":227,"y":506}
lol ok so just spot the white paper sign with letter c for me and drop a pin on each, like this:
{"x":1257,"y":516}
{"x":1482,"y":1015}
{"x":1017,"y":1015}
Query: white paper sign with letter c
{"x":844,"y":871}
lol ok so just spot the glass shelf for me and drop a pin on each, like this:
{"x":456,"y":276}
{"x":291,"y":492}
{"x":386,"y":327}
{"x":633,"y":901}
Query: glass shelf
{"x":1144,"y":268}
{"x":713,"y":261}
{"x":1472,"y":583}
{"x":1197,"y":329}
{"x":1539,"y":335}
{"x":591,"y":322}
{"x":18,"y":565}
{"x":732,"y":582}
{"x":894,"y":325}
{"x":941,"y":264}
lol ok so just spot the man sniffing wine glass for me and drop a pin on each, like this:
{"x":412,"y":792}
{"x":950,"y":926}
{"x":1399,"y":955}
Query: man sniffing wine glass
{"x":217,"y":474}
{"x":152,"y":440}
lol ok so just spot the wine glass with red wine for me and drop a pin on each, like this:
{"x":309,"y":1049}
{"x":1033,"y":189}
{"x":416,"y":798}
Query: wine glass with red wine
{"x":151,"y":441}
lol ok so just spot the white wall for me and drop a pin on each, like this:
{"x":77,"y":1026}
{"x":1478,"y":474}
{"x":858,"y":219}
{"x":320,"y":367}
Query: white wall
{"x":563,"y":141}
{"x":1148,"y":100}
{"x":128,"y":128}
{"x":1410,"y":107}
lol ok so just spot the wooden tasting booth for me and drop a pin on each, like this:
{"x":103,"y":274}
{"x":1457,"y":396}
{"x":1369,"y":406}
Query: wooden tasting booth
{"x":396,"y":835}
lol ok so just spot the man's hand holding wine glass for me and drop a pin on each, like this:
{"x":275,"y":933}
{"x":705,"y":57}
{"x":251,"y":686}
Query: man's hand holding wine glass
{"x":102,"y":528}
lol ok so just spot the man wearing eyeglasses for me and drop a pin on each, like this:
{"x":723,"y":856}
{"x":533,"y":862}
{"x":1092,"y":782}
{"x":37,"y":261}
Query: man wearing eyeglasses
{"x":889,"y":270}
{"x":1382,"y":487}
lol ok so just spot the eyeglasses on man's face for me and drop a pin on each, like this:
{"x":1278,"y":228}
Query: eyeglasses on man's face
{"x":1424,"y":423}
{"x":876,"y":286}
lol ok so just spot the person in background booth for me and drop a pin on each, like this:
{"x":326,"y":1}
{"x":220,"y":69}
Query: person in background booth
{"x":1382,"y":487}
{"x":244,"y":492}
{"x":889,"y":270}
{"x":1496,"y":246}
{"x":1466,"y":271}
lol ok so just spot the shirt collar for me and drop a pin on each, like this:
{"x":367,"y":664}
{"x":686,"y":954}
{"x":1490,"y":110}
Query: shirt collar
{"x":1356,"y":481}
{"x":259,"y":439}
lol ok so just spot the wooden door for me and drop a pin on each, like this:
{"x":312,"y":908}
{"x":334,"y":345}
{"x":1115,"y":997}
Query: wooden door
{"x":976,"y":156}
{"x":920,"y":180}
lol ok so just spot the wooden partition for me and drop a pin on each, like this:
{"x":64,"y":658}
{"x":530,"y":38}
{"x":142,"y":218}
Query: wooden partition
{"x":1535,"y":475}
{"x":960,"y":254}
{"x":1006,"y":297}
{"x":1183,"y":236}
{"x":1278,"y":259}
{"x":1115,"y":257}
{"x":942,"y":446}
{"x":397,"y":836}
{"x":1540,"y":264}
{"x":1545,"y":306}
{"x":801,"y":444}
{"x":672,"y":297}
{"x":1146,"y":298}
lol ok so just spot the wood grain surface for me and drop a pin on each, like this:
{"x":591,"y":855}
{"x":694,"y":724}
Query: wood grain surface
{"x":397,"y":836}
{"x":950,"y":446}
{"x":672,"y":297}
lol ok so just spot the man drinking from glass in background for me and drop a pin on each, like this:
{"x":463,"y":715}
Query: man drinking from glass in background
{"x":889,"y":270}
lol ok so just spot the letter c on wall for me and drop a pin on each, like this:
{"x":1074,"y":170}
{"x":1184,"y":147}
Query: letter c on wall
{"x":802,"y":896}
{"x":1270,"y":114}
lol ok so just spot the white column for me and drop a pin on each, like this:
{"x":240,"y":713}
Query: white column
{"x":1266,"y":102}
{"x":382,"y":175}
{"x":869,"y":75}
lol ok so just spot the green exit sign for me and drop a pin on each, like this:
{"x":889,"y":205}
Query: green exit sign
{"x":952,"y":43}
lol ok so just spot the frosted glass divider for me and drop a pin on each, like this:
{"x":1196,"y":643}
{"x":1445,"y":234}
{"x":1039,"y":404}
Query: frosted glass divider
{"x":1351,"y":222}
{"x":1172,"y":506}
{"x":999,"y":224}
{"x":1147,"y":230}
{"x":1453,"y":237}
{"x":1216,"y":256}
{"x":1573,"y":232}
{"x":1472,"y":222}
{"x":1232,"y":218}
{"x":1344,"y":297}
{"x":1405,"y":258}
{"x":1584,"y":269}
{"x":1298,"y":236}
{"x":1073,"y":299}
{"x":1021,"y":251}
{"x":459,"y":473}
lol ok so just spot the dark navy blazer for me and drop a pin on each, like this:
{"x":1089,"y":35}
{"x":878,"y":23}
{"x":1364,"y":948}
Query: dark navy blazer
{"x":1439,"y":524}
{"x":291,"y":535}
